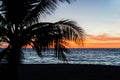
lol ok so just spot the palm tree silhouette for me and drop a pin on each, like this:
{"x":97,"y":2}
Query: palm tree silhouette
{"x":20,"y":26}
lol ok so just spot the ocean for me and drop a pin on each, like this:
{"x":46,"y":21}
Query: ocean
{"x":101,"y":56}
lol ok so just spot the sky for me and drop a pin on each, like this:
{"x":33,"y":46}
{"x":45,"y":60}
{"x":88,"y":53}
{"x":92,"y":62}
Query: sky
{"x":99,"y":18}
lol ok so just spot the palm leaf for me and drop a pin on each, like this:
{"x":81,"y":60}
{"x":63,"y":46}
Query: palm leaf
{"x":71,"y":31}
{"x":43,"y":35}
{"x":20,"y":21}
{"x":27,"y":10}
{"x":43,"y":8}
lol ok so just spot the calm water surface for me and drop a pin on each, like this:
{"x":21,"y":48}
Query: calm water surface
{"x":75,"y":56}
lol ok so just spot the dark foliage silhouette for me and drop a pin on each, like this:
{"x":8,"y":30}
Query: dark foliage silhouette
{"x":20,"y":25}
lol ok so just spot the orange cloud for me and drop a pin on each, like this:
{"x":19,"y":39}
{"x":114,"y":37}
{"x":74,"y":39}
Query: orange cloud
{"x":102,"y":41}
{"x":103,"y":38}
{"x":102,"y":45}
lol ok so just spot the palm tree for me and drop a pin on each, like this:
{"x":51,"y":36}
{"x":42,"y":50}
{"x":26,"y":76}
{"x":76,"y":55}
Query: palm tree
{"x":20,"y":25}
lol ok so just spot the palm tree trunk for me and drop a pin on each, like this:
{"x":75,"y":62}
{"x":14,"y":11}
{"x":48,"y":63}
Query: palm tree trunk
{"x":14,"y":56}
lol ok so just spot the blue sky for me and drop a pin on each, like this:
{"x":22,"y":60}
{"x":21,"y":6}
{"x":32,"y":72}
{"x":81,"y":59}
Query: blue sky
{"x":96,"y":17}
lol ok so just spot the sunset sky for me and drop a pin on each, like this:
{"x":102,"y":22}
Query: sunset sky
{"x":99,"y":18}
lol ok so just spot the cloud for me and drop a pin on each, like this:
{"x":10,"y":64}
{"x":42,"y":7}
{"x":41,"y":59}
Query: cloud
{"x":102,"y":41}
{"x":104,"y":38}
{"x":97,"y":41}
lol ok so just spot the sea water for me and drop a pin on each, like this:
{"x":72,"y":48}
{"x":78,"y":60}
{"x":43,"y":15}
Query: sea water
{"x":102,"y":56}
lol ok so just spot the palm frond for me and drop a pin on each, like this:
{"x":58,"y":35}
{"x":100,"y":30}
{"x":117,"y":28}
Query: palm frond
{"x":19,"y":20}
{"x":60,"y":50}
{"x":42,"y":35}
{"x":27,"y":10}
{"x":43,"y":8}
{"x":4,"y":35}
{"x":1,"y":18}
{"x":15,"y":11}
{"x":71,"y":31}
